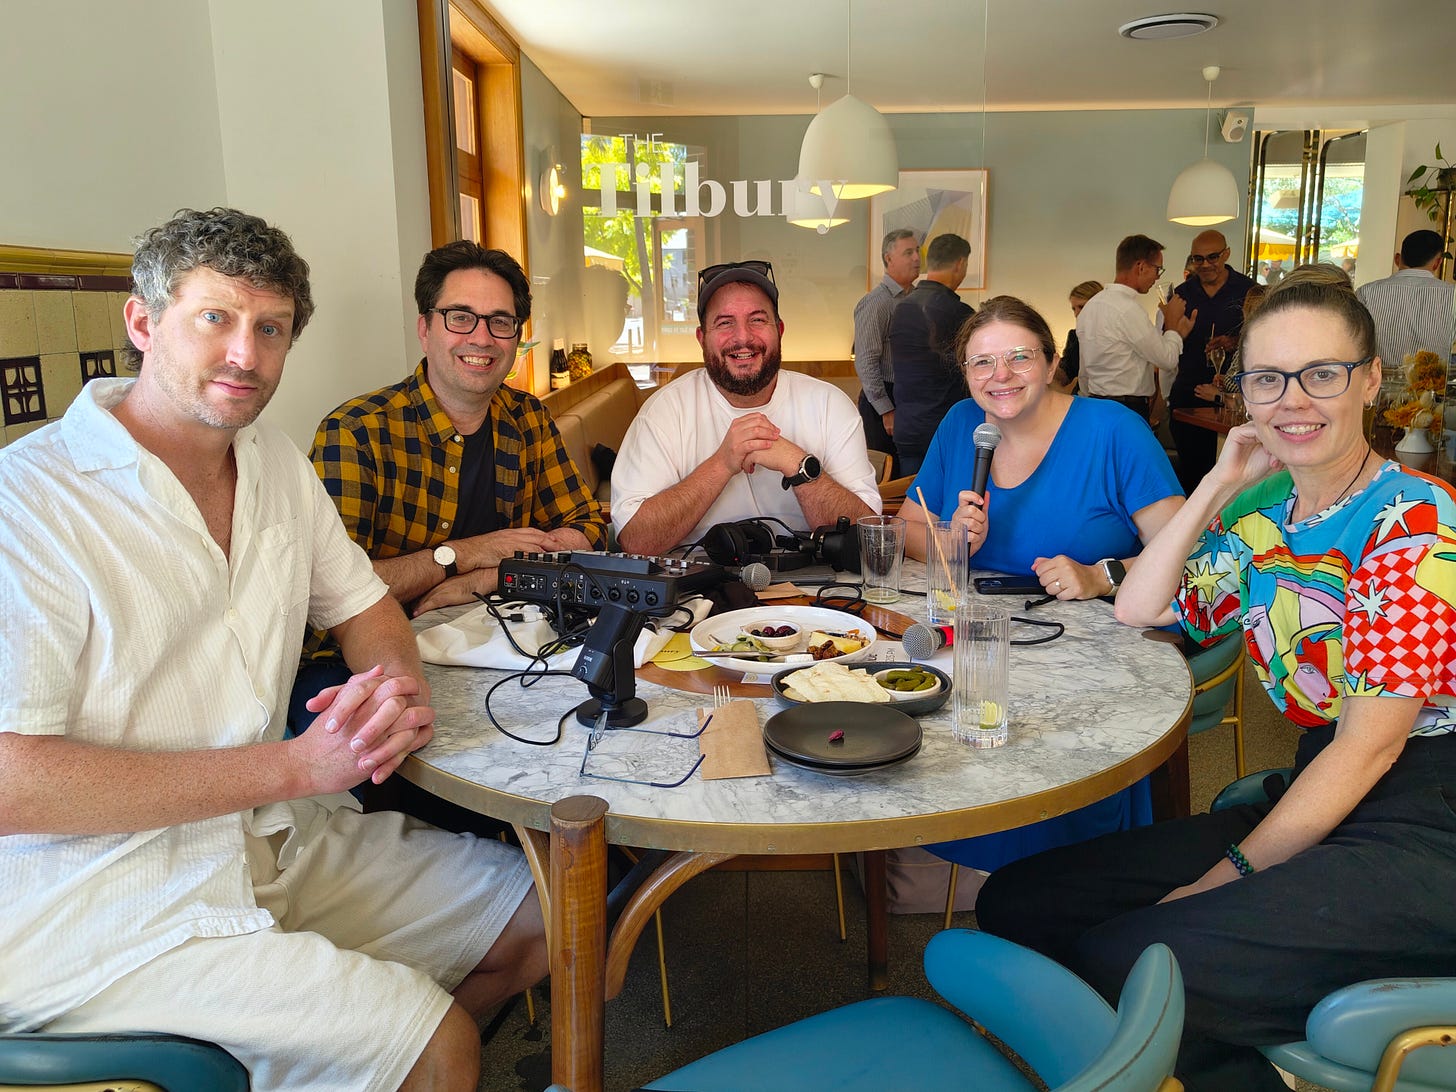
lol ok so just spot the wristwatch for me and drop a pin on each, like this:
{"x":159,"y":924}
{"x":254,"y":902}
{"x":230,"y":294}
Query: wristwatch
{"x":445,"y":558}
{"x":809,"y":470}
{"x":1115,"y":571}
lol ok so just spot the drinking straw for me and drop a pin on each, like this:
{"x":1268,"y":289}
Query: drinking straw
{"x":930,"y":530}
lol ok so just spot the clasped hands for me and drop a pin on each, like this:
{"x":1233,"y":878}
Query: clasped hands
{"x":1059,"y":575}
{"x":364,"y":729}
{"x":753,"y":441}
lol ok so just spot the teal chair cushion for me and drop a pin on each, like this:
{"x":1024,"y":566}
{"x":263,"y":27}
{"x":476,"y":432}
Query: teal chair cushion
{"x":1204,"y":664}
{"x":174,"y":1062}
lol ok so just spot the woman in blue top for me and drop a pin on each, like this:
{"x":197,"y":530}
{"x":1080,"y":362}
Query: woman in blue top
{"x":1074,"y":482}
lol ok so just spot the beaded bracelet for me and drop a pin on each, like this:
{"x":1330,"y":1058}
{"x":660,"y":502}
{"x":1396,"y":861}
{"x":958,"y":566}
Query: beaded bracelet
{"x":1236,"y":855}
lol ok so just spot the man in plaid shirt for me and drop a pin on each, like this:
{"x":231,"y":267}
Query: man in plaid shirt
{"x":442,"y":475}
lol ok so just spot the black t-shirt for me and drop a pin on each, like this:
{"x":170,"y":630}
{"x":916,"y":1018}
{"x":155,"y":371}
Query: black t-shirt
{"x":477,"y":515}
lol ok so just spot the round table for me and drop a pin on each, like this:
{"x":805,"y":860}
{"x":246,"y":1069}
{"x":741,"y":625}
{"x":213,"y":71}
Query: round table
{"x":1090,"y":713}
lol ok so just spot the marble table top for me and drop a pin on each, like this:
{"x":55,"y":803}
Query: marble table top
{"x":1090,"y":713}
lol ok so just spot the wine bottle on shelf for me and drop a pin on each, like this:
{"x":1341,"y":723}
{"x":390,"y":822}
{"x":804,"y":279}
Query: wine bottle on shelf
{"x":560,"y":369}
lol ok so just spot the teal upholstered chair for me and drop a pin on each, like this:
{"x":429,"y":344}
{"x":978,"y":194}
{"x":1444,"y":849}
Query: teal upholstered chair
{"x":1367,"y":1036}
{"x":171,"y":1062}
{"x":1218,"y":675}
{"x":1057,"y":1023}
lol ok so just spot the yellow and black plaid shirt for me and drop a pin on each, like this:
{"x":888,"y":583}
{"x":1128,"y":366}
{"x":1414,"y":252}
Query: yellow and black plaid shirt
{"x":391,"y":461}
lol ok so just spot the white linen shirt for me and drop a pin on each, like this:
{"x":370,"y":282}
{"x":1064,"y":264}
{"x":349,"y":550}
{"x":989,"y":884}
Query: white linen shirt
{"x":681,"y":426}
{"x":1120,"y":348}
{"x":126,"y":626}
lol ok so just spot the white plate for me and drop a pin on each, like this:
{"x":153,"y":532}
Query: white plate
{"x":721,"y":629}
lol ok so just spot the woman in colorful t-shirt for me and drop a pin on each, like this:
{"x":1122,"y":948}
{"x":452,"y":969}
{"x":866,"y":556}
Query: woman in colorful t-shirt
{"x":1340,"y":569}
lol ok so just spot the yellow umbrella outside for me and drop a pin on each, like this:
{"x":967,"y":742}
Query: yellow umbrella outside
{"x":1275,"y":244}
{"x":1350,"y":248}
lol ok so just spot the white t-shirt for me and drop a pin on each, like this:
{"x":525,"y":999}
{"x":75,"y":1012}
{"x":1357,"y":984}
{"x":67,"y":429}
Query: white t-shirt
{"x":1120,"y":348}
{"x":680,"y":426}
{"x":126,"y":626}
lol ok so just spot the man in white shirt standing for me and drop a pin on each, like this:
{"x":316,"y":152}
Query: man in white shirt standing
{"x":738,"y":438}
{"x":1121,"y":351}
{"x":171,"y":863}
{"x":1413,"y":309}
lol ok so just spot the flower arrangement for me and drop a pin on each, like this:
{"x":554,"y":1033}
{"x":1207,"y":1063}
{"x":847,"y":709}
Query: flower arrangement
{"x":1417,"y":406}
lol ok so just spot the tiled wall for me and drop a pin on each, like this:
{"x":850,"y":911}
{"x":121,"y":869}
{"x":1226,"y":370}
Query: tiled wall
{"x":56,"y":332}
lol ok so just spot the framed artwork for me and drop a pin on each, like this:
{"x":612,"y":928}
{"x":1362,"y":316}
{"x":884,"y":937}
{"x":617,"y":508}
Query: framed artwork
{"x":932,"y":203}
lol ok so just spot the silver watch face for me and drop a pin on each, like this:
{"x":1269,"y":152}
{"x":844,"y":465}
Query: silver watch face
{"x":445,"y":555}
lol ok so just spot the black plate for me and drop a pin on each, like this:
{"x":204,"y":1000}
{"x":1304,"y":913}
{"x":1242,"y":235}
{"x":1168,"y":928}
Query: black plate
{"x":914,"y":707}
{"x":840,"y":771}
{"x":873,"y":734}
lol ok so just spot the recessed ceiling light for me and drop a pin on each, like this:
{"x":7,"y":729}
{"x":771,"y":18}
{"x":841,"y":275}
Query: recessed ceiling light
{"x":1181,"y":24}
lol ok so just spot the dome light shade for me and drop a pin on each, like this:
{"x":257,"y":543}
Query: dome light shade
{"x":809,"y":210}
{"x":1204,"y":193}
{"x":850,"y":146}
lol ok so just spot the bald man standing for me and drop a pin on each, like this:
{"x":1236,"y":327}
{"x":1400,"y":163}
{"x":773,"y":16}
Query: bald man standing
{"x":1214,"y":294}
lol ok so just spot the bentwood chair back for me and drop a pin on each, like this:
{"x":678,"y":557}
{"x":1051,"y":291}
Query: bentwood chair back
{"x":1047,"y":1015}
{"x":1381,"y":1035}
{"x":172,"y":1063}
{"x":1218,"y":676}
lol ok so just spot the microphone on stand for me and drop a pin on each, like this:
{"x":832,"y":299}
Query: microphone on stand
{"x":986,"y":437}
{"x":922,"y":642}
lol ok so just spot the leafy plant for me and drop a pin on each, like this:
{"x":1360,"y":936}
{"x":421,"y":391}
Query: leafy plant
{"x":1429,"y":182}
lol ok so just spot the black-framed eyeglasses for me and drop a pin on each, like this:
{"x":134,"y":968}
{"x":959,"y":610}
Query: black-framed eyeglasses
{"x":1327,"y":379}
{"x":762,"y":268}
{"x":601,"y":728}
{"x":459,"y":320}
{"x":1158,"y":268}
{"x":1209,"y":259}
{"x":1019,"y":359}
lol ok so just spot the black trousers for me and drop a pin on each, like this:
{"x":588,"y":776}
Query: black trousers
{"x":876,"y":438}
{"x":1140,"y":404}
{"x":1373,"y":900}
{"x":1197,"y":448}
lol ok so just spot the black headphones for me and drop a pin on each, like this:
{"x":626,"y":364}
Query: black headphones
{"x":739,"y":543}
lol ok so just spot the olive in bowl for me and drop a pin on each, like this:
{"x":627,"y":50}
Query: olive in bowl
{"x":775,"y":636}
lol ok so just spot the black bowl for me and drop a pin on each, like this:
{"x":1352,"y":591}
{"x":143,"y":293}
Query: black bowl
{"x":914,"y":707}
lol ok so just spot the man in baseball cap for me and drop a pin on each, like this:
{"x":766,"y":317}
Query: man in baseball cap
{"x":739,"y":438}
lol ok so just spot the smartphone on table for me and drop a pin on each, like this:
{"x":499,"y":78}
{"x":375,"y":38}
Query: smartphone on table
{"x":1008,"y":585}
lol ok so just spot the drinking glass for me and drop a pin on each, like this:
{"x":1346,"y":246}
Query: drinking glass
{"x":945,"y":571}
{"x":982,"y":663}
{"x":881,"y":554}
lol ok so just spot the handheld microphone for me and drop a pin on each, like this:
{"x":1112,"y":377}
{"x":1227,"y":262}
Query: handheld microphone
{"x":922,"y":642}
{"x":986,"y":437}
{"x":755,"y":574}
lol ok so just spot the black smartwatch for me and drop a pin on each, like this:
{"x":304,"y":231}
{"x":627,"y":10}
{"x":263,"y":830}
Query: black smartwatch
{"x":445,"y":557}
{"x":809,"y":470}
{"x":1115,"y":571}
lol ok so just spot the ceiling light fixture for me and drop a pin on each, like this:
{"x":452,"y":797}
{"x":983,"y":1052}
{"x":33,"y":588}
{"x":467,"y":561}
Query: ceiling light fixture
{"x":1204,"y":193}
{"x":802,"y":207}
{"x":1182,"y":24}
{"x":849,"y":145}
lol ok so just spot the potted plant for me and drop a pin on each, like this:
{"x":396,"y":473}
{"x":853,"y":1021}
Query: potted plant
{"x":1429,"y":182}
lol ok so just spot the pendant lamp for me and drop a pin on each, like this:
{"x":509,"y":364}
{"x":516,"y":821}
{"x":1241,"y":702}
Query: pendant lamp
{"x":849,"y":146}
{"x":1204,"y":193}
{"x":804,"y":208}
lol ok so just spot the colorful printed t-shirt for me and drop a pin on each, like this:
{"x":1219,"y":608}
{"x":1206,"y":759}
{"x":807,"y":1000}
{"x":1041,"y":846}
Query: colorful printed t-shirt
{"x":1358,"y":599}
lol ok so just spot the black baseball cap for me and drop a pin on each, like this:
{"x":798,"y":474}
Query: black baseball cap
{"x":714,"y":277}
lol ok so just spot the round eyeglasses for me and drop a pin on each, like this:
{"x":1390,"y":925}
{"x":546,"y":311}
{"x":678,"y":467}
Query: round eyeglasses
{"x":1323,"y":380}
{"x":460,"y":321}
{"x":1019,"y":359}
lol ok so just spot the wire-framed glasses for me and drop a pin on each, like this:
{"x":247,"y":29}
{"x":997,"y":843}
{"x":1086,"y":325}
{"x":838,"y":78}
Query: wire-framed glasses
{"x":459,"y":320}
{"x":1019,"y":359}
{"x":1327,"y":379}
{"x":600,"y":729}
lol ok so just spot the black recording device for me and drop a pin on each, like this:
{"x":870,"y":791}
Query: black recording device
{"x":605,"y":664}
{"x":590,"y":581}
{"x":746,"y":541}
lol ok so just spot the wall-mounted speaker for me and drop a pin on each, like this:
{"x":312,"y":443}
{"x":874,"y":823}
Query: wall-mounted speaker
{"x":1233,"y":125}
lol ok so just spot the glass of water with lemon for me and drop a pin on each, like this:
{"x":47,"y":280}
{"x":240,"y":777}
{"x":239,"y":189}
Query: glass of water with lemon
{"x":982,"y":673}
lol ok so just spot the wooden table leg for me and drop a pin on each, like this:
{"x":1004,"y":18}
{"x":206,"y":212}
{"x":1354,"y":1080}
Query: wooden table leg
{"x":1171,"y":788}
{"x":877,"y":919}
{"x":578,"y":932}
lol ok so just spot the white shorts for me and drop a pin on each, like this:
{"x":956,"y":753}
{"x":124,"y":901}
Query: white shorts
{"x":379,"y":916}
